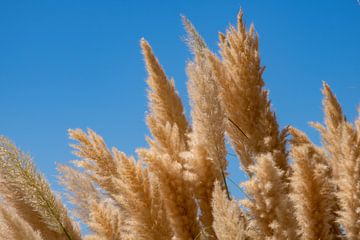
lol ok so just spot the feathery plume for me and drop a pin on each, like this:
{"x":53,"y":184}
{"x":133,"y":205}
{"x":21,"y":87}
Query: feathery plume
{"x":341,"y":141}
{"x":252,"y":126}
{"x":195,"y":42}
{"x":136,"y":196}
{"x":12,"y":226}
{"x":179,"y":203}
{"x":95,"y":158}
{"x":348,"y":181}
{"x":28,"y":192}
{"x":207,"y":156}
{"x":80,"y":190}
{"x":105,"y":221}
{"x":169,"y":127}
{"x":229,"y":221}
{"x":334,"y":119}
{"x":126,"y":182}
{"x":312,"y":190}
{"x":269,"y":205}
{"x":164,"y":102}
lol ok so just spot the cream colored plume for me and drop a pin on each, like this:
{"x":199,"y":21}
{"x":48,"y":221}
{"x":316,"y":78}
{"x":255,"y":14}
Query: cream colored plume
{"x":341,"y":141}
{"x":27,"y":191}
{"x":312,"y":190}
{"x":331,"y":133}
{"x":12,"y":226}
{"x":125,"y":181}
{"x":251,"y":125}
{"x":169,"y":128}
{"x":207,"y":155}
{"x":80,"y":190}
{"x":268,"y":205}
{"x":229,"y":221}
{"x":180,"y":206}
{"x":95,"y":158}
{"x":138,"y":196}
{"x":105,"y":221}
{"x":164,"y":102}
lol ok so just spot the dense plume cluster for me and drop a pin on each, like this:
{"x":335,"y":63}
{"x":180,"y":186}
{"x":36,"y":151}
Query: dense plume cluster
{"x":177,"y":187}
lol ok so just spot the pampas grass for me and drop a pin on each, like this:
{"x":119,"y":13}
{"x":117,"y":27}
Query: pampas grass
{"x":176,"y":189}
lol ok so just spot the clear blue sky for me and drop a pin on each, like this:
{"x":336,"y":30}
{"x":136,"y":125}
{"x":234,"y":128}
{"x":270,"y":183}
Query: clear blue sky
{"x":77,"y":64}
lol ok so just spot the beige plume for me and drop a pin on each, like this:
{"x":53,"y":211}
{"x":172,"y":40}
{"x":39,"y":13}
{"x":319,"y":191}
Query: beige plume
{"x":251,"y":125}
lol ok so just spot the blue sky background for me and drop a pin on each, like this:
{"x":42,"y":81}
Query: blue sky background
{"x":77,"y":64}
